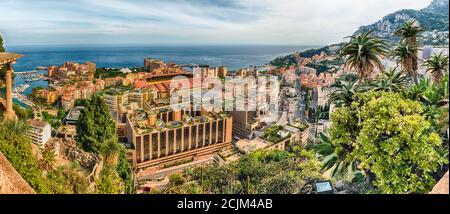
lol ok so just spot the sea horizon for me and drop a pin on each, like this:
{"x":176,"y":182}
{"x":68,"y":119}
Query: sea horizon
{"x":131,"y":55}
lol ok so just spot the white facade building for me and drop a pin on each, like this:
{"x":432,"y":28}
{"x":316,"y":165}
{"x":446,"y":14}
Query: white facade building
{"x":39,"y":133}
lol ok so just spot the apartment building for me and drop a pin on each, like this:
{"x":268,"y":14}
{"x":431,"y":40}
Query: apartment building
{"x":206,"y":71}
{"x":73,"y":70}
{"x":39,"y":133}
{"x":163,"y":136}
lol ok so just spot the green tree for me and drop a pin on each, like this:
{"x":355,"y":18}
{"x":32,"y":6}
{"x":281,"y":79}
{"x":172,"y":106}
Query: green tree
{"x":95,"y":126}
{"x":109,"y":182}
{"x":391,"y":140}
{"x":438,"y":66}
{"x":363,"y":54}
{"x":125,"y":172}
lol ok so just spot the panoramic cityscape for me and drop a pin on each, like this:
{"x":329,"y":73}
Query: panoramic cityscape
{"x":217,"y":100}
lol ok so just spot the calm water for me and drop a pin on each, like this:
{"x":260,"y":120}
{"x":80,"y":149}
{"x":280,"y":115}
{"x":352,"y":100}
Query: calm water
{"x":234,"y":57}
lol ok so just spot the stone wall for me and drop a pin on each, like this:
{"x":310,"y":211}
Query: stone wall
{"x":86,"y":160}
{"x":10,"y":180}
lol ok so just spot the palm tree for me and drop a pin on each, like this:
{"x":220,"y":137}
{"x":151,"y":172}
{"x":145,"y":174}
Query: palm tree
{"x":409,"y":32}
{"x":391,"y":80}
{"x":48,"y":159}
{"x":406,"y":56}
{"x":363,"y":54}
{"x":336,"y":162}
{"x":438,"y":66}
{"x":111,"y":151}
{"x":343,"y":94}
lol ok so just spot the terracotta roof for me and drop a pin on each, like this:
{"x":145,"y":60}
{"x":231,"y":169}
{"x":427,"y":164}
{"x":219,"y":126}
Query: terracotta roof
{"x":6,"y":58}
{"x":140,"y":83}
{"x":165,"y":86}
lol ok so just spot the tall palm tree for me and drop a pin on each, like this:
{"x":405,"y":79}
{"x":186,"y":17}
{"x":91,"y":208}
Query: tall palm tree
{"x":363,"y":54}
{"x":406,"y":56}
{"x":438,"y":66}
{"x":409,"y":32}
{"x":409,"y":47}
{"x":111,"y":151}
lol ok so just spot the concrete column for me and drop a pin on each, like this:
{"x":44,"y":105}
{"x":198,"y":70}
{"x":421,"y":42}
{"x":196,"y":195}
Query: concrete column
{"x":9,"y":113}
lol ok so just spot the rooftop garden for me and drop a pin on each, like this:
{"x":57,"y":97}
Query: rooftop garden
{"x":273,"y":134}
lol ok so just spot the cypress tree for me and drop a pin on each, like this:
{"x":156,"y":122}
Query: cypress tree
{"x":95,"y":126}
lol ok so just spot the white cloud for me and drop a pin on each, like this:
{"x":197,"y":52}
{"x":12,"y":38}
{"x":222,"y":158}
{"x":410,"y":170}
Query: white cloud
{"x":198,"y":21}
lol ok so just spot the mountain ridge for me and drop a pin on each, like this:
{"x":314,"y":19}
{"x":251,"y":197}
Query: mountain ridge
{"x":434,"y":18}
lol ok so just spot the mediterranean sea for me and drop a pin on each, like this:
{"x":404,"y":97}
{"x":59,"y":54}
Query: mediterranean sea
{"x":120,"y":56}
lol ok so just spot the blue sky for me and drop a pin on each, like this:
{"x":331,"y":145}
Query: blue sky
{"x":290,"y":22}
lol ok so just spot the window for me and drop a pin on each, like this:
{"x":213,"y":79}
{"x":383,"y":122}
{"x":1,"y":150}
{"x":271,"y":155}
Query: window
{"x":154,"y":145}
{"x":138,"y":148}
{"x":194,"y":136}
{"x":178,"y":140}
{"x":186,"y":138}
{"x":146,"y":147}
{"x":163,"y":144}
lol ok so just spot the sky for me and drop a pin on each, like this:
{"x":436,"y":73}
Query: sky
{"x":190,"y":22}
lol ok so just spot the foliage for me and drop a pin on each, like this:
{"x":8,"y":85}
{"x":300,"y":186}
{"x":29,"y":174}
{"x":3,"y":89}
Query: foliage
{"x":409,"y":32}
{"x":54,"y":121}
{"x":335,"y":159}
{"x":66,"y":180}
{"x":363,"y":54}
{"x":17,"y":149}
{"x":81,"y":102}
{"x":109,"y":181}
{"x":390,"y":138}
{"x":343,"y":93}
{"x":48,"y":159}
{"x":125,"y":172}
{"x":23,"y":113}
{"x":95,"y":126}
{"x":271,"y":133}
{"x":391,"y":81}
{"x":176,"y":180}
{"x":262,"y":172}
